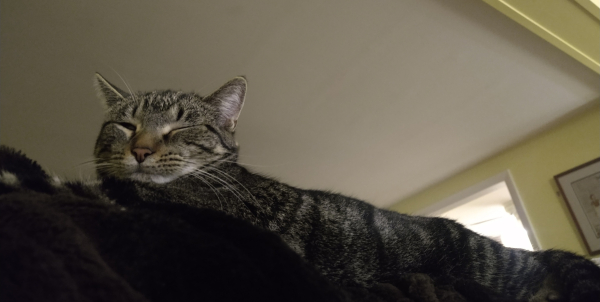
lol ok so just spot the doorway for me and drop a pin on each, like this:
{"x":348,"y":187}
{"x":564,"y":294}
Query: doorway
{"x":492,"y":208}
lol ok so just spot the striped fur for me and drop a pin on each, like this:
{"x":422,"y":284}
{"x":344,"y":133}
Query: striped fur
{"x":191,"y":140}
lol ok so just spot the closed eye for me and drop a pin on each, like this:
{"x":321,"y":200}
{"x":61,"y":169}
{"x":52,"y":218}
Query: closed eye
{"x":166,"y":136}
{"x":128,"y":126}
{"x":185,"y":127}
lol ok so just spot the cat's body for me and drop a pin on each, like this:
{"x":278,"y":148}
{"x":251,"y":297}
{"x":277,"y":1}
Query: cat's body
{"x":349,"y":241}
{"x":167,"y":146}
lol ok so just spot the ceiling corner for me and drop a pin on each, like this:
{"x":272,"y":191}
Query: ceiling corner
{"x":572,"y":26}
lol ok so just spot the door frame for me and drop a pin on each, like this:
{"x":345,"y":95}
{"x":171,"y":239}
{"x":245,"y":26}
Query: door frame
{"x":471,"y":193}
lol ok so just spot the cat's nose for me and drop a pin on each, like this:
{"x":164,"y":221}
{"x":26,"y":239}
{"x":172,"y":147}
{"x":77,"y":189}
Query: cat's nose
{"x":141,"y":154}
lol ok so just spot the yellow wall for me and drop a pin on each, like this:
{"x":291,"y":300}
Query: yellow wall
{"x":533,"y":165}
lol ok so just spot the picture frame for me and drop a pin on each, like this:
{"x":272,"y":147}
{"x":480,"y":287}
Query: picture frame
{"x":580,"y":189}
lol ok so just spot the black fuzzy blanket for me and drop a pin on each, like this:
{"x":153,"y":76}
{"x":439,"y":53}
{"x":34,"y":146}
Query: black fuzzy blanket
{"x":68,"y":243}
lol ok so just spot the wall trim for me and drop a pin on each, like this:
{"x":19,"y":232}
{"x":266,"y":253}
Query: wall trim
{"x":545,"y":33}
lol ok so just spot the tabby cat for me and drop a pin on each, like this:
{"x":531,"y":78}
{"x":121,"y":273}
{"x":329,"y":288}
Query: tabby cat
{"x":172,"y":146}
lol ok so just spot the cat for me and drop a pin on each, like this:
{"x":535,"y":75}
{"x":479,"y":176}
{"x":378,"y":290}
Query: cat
{"x":170,"y":146}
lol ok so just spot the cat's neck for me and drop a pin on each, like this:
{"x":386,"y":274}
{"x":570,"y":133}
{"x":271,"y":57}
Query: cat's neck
{"x":215,"y":176}
{"x":232,"y":169}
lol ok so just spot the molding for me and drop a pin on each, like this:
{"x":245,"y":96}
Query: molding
{"x":465,"y":196}
{"x":590,"y":60}
{"x":516,"y":198}
{"x":480,"y":189}
{"x":592,"y":6}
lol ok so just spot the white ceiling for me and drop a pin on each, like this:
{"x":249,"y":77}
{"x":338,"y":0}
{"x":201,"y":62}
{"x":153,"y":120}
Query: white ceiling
{"x":375,"y":99}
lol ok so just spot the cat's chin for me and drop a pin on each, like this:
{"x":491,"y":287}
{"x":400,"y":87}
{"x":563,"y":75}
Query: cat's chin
{"x":158,"y":179}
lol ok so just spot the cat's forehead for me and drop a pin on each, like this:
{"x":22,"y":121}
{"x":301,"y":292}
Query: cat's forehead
{"x":164,"y":100}
{"x":160,"y":105}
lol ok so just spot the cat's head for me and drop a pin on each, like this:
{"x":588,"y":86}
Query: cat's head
{"x":159,"y":136}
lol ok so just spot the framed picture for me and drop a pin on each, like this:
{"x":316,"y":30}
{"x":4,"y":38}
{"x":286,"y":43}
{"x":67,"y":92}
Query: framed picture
{"x":580,"y":188}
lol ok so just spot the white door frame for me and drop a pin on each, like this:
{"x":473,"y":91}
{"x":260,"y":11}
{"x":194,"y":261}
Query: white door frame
{"x":480,"y":189}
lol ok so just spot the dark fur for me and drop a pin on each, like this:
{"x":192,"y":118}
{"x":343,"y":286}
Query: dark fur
{"x":62,"y":243}
{"x":349,"y":241}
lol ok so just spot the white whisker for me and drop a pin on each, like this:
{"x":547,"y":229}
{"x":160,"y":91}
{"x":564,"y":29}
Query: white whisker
{"x":244,"y":164}
{"x":87,"y":162}
{"x":212,"y":188}
{"x":223,"y":182}
{"x":127,"y":85}
{"x":229,"y":187}
{"x":223,"y":173}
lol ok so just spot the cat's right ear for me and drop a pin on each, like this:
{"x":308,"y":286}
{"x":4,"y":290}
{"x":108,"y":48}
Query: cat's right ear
{"x":107,"y":92}
{"x":229,"y":100}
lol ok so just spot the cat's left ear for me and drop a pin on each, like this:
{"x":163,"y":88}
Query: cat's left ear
{"x":108,"y":93}
{"x":229,"y":100}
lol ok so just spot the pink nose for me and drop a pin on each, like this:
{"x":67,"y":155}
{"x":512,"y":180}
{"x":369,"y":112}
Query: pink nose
{"x":141,"y":154}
